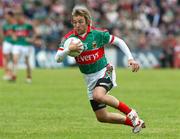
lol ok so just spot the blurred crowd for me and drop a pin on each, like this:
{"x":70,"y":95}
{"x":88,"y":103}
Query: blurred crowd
{"x":143,"y":24}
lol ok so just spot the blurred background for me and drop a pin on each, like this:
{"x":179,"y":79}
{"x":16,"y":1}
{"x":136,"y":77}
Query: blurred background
{"x":151,"y":29}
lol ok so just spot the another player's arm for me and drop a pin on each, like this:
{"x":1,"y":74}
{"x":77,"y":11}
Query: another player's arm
{"x":1,"y":35}
{"x":122,"y":45}
{"x":64,"y":51}
{"x":32,"y":36}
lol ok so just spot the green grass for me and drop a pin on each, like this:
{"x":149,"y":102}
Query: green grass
{"x":55,"y":106}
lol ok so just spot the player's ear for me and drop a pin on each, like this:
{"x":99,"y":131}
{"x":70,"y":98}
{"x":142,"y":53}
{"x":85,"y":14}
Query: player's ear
{"x":88,"y":22}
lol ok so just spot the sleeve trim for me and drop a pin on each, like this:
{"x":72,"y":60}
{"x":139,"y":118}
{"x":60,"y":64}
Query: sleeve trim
{"x":112,"y":39}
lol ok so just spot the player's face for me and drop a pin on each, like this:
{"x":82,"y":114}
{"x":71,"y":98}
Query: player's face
{"x":79,"y":24}
{"x":7,"y":16}
{"x":18,"y":15}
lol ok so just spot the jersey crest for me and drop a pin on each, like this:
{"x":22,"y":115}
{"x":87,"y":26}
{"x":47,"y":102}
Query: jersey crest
{"x":94,"y":45}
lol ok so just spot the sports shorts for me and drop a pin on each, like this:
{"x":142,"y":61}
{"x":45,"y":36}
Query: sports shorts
{"x":105,"y":78}
{"x":7,"y":47}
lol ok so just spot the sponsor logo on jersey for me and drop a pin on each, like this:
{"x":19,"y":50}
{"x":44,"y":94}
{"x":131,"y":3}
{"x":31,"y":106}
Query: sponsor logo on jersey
{"x":22,"y":33}
{"x":90,"y":56}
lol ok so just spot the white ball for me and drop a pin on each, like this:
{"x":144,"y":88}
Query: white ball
{"x":74,"y":40}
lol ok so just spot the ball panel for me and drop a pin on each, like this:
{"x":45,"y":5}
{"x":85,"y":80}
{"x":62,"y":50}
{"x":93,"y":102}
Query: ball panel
{"x":74,"y":40}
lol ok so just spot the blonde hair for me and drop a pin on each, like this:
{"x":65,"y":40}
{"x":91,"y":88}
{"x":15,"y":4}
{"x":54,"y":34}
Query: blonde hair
{"x":81,"y":10}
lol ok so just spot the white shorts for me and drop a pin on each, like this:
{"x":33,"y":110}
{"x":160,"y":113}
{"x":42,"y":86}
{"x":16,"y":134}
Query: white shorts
{"x":7,"y":47}
{"x":91,"y":80}
{"x":21,"y":50}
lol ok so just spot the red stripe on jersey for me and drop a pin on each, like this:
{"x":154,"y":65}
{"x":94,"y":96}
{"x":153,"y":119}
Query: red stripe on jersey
{"x":87,"y":32}
{"x":82,"y":38}
{"x":61,"y":48}
{"x":22,"y":33}
{"x":8,"y":32}
{"x":90,"y":56}
{"x":112,"y":39}
{"x":69,"y":34}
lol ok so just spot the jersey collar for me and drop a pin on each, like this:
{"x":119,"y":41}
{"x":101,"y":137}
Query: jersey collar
{"x":87,"y":32}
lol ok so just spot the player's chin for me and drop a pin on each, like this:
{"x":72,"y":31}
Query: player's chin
{"x":80,"y":32}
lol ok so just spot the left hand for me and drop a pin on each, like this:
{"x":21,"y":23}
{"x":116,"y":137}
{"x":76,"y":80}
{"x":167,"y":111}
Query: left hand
{"x":77,"y":47}
{"x":30,"y":40}
{"x":134,"y":65}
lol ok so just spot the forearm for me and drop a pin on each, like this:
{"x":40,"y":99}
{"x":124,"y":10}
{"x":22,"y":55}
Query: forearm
{"x":30,"y":39}
{"x":122,"y":45}
{"x":61,"y":54}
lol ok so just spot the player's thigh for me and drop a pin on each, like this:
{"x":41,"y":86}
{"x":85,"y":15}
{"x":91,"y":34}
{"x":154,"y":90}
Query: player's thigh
{"x":98,"y":93}
{"x":26,"y":50}
{"x":17,"y":50}
{"x":102,"y":86}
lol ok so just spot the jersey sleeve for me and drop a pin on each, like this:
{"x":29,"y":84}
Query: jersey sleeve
{"x":106,"y":37}
{"x":30,"y":28}
{"x":61,"y":45}
{"x":65,"y":37}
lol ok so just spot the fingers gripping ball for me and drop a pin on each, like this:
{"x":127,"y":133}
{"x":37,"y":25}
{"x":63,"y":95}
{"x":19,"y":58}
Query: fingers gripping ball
{"x":75,"y":41}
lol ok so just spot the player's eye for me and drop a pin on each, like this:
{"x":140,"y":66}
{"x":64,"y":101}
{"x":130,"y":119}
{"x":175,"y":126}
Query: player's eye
{"x":77,"y":22}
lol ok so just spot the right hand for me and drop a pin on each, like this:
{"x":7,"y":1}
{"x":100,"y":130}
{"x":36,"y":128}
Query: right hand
{"x":133,"y":65}
{"x":75,"y":46}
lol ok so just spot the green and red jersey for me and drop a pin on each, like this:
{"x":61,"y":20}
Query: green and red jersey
{"x":92,"y":59}
{"x":22,"y":32}
{"x":7,"y":32}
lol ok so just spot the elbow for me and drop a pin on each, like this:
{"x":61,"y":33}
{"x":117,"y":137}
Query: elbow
{"x":60,"y":55}
{"x":58,"y":58}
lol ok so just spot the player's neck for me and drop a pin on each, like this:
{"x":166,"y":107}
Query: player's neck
{"x":82,"y":35}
